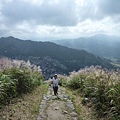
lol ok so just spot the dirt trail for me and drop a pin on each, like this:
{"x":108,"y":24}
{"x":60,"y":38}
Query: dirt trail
{"x":58,"y":107}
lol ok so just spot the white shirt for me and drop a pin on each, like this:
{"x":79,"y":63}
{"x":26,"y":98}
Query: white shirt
{"x":55,"y":82}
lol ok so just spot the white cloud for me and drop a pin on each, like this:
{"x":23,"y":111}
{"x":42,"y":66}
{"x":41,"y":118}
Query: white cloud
{"x":36,"y":19}
{"x":59,"y":13}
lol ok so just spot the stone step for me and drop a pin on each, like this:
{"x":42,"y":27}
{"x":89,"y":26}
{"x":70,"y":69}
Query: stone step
{"x":60,"y":105}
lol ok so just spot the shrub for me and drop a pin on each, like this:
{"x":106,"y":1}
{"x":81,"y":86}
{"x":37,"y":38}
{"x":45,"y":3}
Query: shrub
{"x":100,"y":85}
{"x":16,"y":78}
{"x":7,"y":88}
{"x":62,"y":81}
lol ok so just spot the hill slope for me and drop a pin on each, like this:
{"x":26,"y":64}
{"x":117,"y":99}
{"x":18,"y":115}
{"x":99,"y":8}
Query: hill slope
{"x":51,"y":57}
{"x":101,"y":45}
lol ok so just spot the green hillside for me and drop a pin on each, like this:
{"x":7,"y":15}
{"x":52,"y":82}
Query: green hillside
{"x":51,"y":57}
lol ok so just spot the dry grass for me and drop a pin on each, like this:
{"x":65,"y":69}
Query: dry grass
{"x":100,"y":87}
{"x":85,"y":112}
{"x":25,"y":107}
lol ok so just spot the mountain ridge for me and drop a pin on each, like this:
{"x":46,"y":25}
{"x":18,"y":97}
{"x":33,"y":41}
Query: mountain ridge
{"x":101,"y":45}
{"x":50,"y":56}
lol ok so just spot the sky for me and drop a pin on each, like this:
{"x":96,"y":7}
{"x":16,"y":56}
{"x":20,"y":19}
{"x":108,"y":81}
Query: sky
{"x":58,"y":19}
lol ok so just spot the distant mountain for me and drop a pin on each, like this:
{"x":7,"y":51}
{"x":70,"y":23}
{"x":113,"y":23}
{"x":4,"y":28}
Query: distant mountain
{"x":101,"y":45}
{"x":51,"y":57}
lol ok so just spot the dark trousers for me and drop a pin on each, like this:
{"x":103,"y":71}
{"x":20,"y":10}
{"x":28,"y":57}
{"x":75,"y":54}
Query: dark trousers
{"x":55,"y":89}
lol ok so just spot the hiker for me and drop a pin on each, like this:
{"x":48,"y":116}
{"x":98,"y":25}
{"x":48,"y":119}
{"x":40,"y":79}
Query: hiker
{"x":55,"y":84}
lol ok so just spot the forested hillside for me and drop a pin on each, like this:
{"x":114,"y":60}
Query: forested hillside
{"x":100,"y":45}
{"x":51,"y":57}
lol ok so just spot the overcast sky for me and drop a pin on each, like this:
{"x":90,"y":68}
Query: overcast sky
{"x":56,"y":19}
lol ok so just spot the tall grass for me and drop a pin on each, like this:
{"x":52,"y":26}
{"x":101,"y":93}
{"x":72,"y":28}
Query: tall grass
{"x":101,"y":87}
{"x":17,"y":77}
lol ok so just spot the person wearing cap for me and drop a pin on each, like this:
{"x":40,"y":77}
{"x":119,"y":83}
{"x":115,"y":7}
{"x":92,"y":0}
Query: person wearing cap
{"x":55,"y":84}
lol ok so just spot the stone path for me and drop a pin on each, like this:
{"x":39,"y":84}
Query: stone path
{"x":58,"y":107}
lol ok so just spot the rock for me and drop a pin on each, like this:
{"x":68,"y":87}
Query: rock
{"x":60,"y":97}
{"x":69,"y":101}
{"x":41,"y":112}
{"x":44,"y":98}
{"x":43,"y":103}
{"x":56,"y":108}
{"x":65,"y":112}
{"x":86,"y":99}
{"x":73,"y":114}
{"x":65,"y":98}
{"x":39,"y":118}
{"x":70,"y":106}
{"x":43,"y":116}
{"x":42,"y":106}
{"x":75,"y":118}
{"x":54,"y":97}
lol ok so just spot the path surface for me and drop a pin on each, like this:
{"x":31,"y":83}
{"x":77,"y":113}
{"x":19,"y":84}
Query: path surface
{"x":58,"y":107}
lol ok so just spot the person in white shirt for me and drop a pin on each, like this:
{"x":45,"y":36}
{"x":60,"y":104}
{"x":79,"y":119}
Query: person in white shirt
{"x":55,"y":81}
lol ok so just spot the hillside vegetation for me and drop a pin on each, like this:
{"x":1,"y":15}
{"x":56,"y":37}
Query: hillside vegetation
{"x":16,"y":78}
{"x":49,"y":56}
{"x":98,"y":87}
{"x":101,"y":45}
{"x":24,"y":107}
